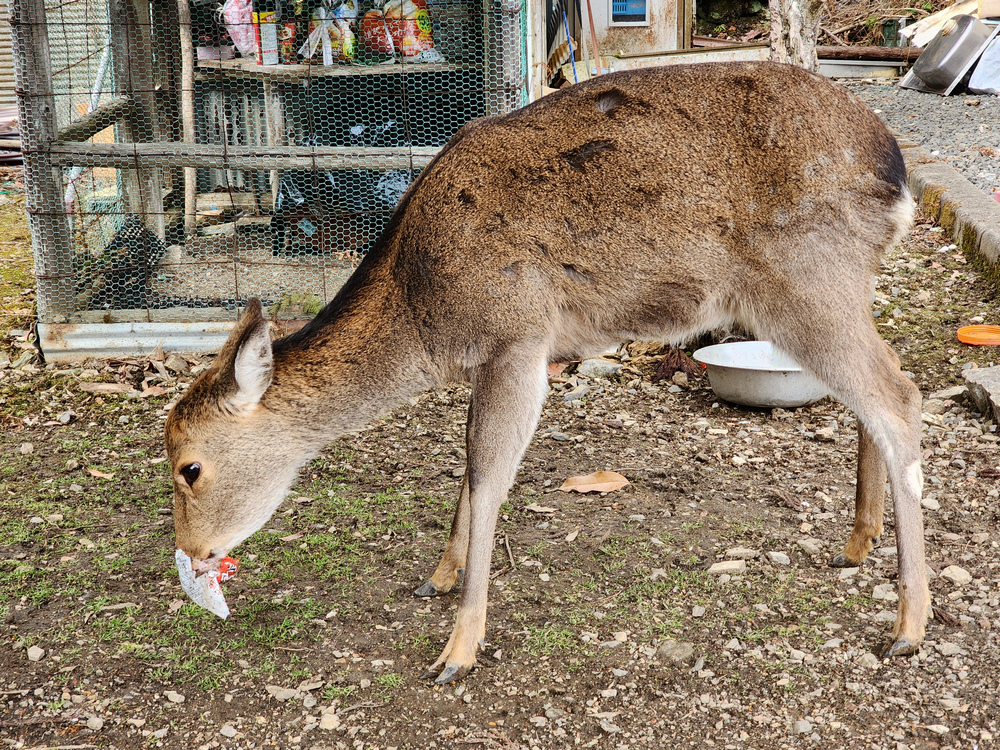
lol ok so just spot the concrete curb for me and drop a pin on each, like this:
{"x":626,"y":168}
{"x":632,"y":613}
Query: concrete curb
{"x":969,"y":216}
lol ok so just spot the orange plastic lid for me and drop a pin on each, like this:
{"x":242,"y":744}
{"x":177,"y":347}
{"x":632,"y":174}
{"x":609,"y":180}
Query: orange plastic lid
{"x":980,"y":335}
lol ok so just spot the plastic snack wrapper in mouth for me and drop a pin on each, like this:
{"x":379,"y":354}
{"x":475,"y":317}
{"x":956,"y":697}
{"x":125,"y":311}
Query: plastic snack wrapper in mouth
{"x":205,"y":590}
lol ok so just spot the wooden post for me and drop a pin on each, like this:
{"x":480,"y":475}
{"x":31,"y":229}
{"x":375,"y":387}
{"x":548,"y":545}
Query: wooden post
{"x":132,"y":58}
{"x":51,"y":237}
{"x":187,"y":114}
{"x":167,"y":81}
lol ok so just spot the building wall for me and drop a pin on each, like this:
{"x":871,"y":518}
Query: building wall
{"x":663,"y":34}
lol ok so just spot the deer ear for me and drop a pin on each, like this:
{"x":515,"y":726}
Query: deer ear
{"x":246,"y":362}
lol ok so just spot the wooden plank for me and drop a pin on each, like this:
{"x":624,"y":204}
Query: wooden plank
{"x":241,"y":67}
{"x":887,"y":54}
{"x":98,"y":119}
{"x":222,"y":156}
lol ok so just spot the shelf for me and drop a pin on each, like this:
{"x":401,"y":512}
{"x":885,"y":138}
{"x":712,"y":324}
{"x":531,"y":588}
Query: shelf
{"x":216,"y":156}
{"x":243,"y":67}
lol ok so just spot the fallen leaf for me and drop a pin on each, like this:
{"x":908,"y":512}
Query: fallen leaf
{"x":292,"y":537}
{"x":555,"y":369}
{"x":100,"y":474}
{"x":175,"y":605}
{"x":106,"y":388}
{"x":153,"y":390}
{"x":571,"y":537}
{"x":599,"y":481}
{"x":536,"y":508}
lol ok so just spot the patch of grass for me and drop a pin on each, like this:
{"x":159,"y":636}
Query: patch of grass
{"x":549,"y":639}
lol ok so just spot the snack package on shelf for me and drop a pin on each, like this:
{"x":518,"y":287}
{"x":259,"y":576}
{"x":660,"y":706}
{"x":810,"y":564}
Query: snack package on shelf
{"x":237,"y":15}
{"x":331,"y":35}
{"x":402,"y":26}
{"x":265,"y":32}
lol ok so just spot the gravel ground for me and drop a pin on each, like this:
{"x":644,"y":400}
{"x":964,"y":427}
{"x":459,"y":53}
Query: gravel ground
{"x":963,"y":130}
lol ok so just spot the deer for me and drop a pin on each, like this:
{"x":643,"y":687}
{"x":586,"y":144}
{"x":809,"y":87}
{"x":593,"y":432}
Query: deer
{"x":654,"y":204}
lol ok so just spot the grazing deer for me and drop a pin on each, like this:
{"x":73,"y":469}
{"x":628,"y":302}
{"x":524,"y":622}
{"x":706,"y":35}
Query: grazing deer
{"x":649,"y":204}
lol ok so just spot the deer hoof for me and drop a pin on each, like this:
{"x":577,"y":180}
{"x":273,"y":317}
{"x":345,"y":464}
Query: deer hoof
{"x":428,"y":589}
{"x":840,"y":560}
{"x":902,"y":647}
{"x":452,"y":673}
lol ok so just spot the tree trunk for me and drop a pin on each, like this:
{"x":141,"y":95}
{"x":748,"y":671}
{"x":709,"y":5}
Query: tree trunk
{"x":794,"y":30}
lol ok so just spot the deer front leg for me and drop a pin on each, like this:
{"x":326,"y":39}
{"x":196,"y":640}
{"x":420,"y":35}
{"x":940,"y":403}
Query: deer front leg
{"x":507,"y":398}
{"x":452,"y":562}
{"x":869,"y":504}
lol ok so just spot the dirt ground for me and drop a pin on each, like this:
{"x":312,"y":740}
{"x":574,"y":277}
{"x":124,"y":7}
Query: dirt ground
{"x":326,"y":642}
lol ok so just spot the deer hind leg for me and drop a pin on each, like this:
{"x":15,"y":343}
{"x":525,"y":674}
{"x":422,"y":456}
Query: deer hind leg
{"x":869,"y":504}
{"x":452,"y":563}
{"x":841,"y":346}
{"x":507,"y":397}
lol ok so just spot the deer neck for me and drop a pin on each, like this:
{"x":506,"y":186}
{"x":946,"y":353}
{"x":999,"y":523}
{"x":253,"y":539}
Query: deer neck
{"x":359,"y":358}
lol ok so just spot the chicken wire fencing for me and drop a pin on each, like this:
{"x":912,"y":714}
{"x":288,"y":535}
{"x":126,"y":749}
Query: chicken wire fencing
{"x":182,"y":156}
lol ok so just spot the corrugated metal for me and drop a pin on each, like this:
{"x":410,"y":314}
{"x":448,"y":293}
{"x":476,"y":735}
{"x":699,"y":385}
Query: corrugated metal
{"x":64,"y":342}
{"x":7,"y":98}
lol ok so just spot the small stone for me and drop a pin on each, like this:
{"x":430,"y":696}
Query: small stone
{"x":833,"y":643}
{"x":869,"y":660}
{"x":734,"y":645}
{"x":810,"y":546}
{"x":72,"y":465}
{"x":802,"y":727}
{"x":35,"y":653}
{"x":779,"y":558}
{"x":27,"y":448}
{"x":65,"y":417}
{"x":173,"y":696}
{"x":329,"y":721}
{"x":577,"y":393}
{"x":96,"y":723}
{"x":738,"y":460}
{"x":741,"y":553}
{"x":616,"y":673}
{"x":955,"y":393}
{"x":559,"y":437}
{"x":459,"y":472}
{"x":280,"y":693}
{"x":886,"y":615}
{"x":885,"y":591}
{"x":680,"y":378}
{"x":137,"y":723}
{"x":598,"y":368}
{"x":796,"y":654}
{"x":75,"y":487}
{"x":675,"y":652}
{"x":554,"y":713}
{"x":938,"y":728}
{"x":309,"y":701}
{"x":161,"y":733}
{"x":697,"y":611}
{"x":228,"y":730}
{"x":729,"y":567}
{"x":929,"y":503}
{"x":846,"y":573}
{"x":948,"y":649}
{"x":543,"y":577}
{"x":935,"y":406}
{"x":957,"y":575}
{"x":825,"y":435}
{"x":979,"y":537}
{"x":36,"y":520}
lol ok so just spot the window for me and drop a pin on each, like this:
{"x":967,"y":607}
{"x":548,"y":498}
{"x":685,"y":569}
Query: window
{"x":629,"y":12}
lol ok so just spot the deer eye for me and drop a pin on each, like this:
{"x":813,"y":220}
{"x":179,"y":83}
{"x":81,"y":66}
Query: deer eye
{"x":191,"y":472}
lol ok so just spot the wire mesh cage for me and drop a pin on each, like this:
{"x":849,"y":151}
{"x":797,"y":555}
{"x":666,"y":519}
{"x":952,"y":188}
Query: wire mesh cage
{"x":182,"y":156}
